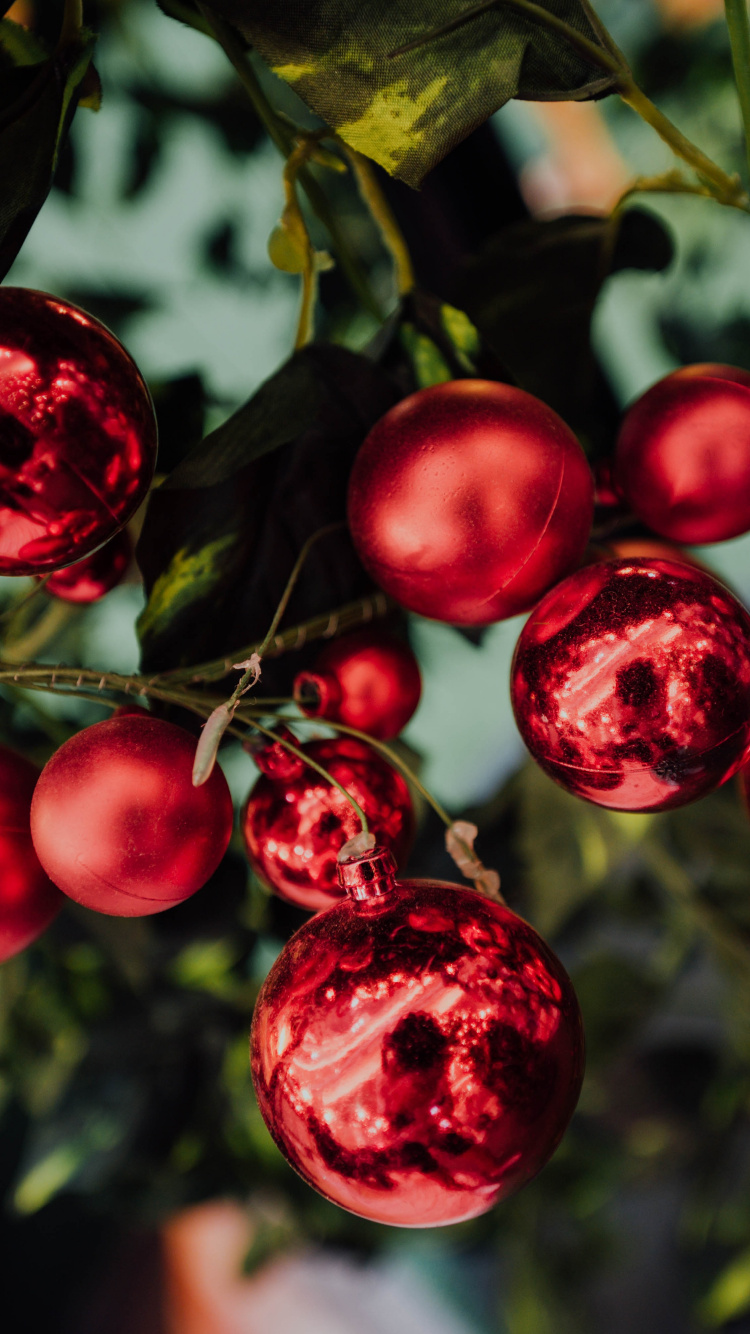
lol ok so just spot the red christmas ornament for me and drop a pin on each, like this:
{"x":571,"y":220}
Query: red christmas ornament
{"x":117,"y":823}
{"x":369,"y":680}
{"x":631,"y":684}
{"x":77,"y":433}
{"x":295,"y":822}
{"x":683,"y":456}
{"x":28,"y":899}
{"x":468,"y":499}
{"x":417,"y":1050}
{"x":89,"y":579}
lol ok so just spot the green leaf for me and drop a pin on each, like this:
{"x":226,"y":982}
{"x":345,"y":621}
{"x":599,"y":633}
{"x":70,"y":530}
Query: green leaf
{"x":38,"y":97}
{"x":428,"y":342}
{"x":729,"y":1296}
{"x":407,"y":112}
{"x":532,"y":292}
{"x":223,"y":531}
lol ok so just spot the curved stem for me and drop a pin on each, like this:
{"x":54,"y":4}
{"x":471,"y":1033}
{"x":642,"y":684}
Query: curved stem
{"x":738,"y":24}
{"x":383,"y":215}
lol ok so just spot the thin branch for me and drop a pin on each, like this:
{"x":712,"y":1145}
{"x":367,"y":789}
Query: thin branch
{"x":738,"y":23}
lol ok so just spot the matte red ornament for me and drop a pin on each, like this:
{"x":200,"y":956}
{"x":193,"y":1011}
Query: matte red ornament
{"x":369,"y":680}
{"x":683,"y":456}
{"x":295,"y":822}
{"x":117,"y":823}
{"x":28,"y":899}
{"x":468,"y":499}
{"x":631,"y":684}
{"x":77,"y":433}
{"x":417,"y":1050}
{"x":89,"y":579}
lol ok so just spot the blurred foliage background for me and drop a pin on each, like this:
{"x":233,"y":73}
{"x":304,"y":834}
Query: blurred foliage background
{"x":124,"y":1085}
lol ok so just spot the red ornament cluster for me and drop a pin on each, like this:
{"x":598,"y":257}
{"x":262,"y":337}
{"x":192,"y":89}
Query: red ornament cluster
{"x":417,"y":1050}
{"x":117,"y":823}
{"x":468,"y":500}
{"x":28,"y":900}
{"x":369,"y":680}
{"x":631,"y":684}
{"x":77,"y":433}
{"x":295,"y":823}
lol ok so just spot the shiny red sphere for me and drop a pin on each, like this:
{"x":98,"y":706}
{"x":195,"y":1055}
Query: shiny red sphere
{"x":295,"y":822}
{"x":89,"y":579}
{"x":369,"y":680}
{"x":77,"y":433}
{"x":683,"y":456}
{"x":468,"y":499}
{"x":417,"y":1050}
{"x":28,"y":899}
{"x":631,"y":684}
{"x":117,"y":823}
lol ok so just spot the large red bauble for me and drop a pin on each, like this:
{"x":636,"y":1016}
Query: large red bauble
{"x":89,"y":579}
{"x":117,"y":823}
{"x":369,"y":680}
{"x":28,"y":899}
{"x":683,"y":456}
{"x":468,"y":499}
{"x":631,"y":684}
{"x":295,"y":823}
{"x":417,"y":1050}
{"x":77,"y":433}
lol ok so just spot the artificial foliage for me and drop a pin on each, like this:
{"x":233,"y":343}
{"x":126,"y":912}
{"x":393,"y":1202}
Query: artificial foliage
{"x":125,"y":1085}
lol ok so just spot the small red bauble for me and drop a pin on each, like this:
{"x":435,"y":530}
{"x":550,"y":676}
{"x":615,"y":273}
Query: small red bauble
{"x":295,"y":822}
{"x":631,"y":684}
{"x":468,"y":499}
{"x":28,"y":899}
{"x":77,"y":433}
{"x":369,"y":680}
{"x":89,"y":579}
{"x":117,"y":823}
{"x":683,"y":456}
{"x":417,"y":1050}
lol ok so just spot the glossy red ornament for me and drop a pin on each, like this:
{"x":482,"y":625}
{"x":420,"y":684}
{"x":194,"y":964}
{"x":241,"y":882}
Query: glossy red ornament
{"x":89,"y":579}
{"x":369,"y":680}
{"x":683,"y":456}
{"x":631,"y":684}
{"x":117,"y":823}
{"x":417,"y":1050}
{"x":468,"y":499}
{"x":295,"y":822}
{"x":28,"y":899}
{"x":77,"y":433}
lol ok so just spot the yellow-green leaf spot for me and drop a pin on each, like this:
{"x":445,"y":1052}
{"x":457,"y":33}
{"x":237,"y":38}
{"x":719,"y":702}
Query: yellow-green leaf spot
{"x":429,"y":365}
{"x":188,"y":576}
{"x":463,"y":336}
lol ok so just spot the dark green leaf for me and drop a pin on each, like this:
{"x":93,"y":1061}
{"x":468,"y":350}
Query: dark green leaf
{"x":222,"y":533}
{"x":427,"y":342}
{"x":407,"y":112}
{"x":38,"y":97}
{"x":532,"y":293}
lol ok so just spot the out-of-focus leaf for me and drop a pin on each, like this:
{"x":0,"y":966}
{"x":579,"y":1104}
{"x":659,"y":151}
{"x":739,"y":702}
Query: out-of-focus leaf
{"x":532,"y":292}
{"x":407,"y":112}
{"x":38,"y":97}
{"x":729,"y":1295}
{"x":569,"y":847}
{"x":428,"y":342}
{"x":222,"y":533}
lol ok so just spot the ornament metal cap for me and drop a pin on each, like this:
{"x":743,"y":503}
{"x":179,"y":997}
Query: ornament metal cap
{"x":368,"y":876}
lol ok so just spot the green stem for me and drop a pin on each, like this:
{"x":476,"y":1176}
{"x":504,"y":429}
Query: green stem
{"x":727,"y":189}
{"x":739,"y":36}
{"x":313,"y":764}
{"x":382,"y":213}
{"x":675,"y":880}
{"x":283,"y":137}
{"x":72,"y":22}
